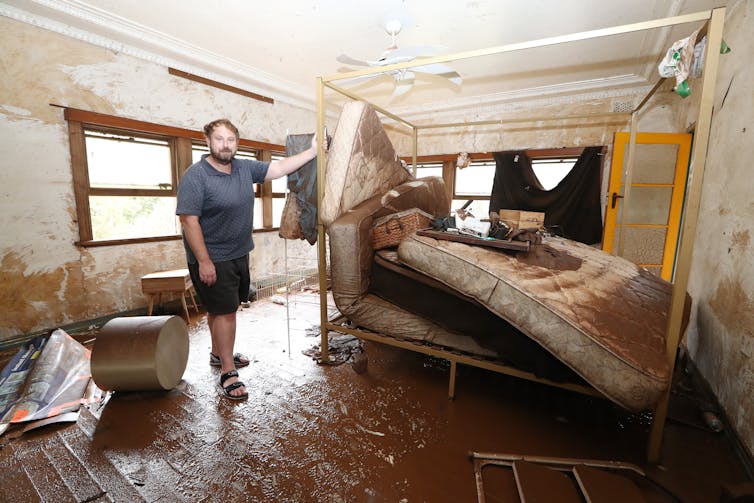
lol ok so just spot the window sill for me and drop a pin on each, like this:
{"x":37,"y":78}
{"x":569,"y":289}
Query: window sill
{"x":116,"y":242}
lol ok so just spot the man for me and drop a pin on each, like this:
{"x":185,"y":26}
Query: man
{"x":215,"y":206}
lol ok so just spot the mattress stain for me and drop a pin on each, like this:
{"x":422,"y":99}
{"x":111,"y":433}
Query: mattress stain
{"x":740,"y":240}
{"x":545,"y":256}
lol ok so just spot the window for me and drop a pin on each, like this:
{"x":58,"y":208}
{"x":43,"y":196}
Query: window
{"x":426,"y":169}
{"x":131,"y":185}
{"x":278,"y":190}
{"x":473,"y":186}
{"x":470,"y":187}
{"x":126,"y":173}
{"x":550,"y":171}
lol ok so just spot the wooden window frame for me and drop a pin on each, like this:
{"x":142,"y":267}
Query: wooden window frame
{"x":180,"y":141}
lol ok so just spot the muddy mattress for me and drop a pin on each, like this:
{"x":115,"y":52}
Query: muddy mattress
{"x":601,"y":315}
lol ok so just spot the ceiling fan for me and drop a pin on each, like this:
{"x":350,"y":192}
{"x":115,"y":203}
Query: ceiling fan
{"x":404,"y":78}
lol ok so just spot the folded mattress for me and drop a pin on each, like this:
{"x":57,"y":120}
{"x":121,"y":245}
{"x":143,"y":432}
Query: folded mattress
{"x":601,"y":315}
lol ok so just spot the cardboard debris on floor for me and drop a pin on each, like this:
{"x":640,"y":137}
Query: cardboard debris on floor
{"x":47,"y":381}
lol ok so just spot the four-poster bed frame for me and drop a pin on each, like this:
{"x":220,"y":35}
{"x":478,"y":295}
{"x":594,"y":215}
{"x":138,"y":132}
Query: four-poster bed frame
{"x":714,"y":20}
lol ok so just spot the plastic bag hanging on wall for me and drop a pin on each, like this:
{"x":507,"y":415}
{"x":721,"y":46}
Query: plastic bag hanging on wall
{"x":678,"y":62}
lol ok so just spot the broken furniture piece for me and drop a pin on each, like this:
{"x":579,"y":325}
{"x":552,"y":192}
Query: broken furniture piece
{"x":540,"y":478}
{"x":177,"y":281}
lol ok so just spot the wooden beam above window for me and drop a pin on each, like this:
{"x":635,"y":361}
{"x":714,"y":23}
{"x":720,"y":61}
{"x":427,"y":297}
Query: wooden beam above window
{"x":219,"y":85}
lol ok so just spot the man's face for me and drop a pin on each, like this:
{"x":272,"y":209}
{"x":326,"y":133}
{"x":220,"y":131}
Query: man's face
{"x":222,"y":144}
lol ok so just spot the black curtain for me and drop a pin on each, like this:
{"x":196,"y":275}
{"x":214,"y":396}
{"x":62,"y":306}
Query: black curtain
{"x":572,"y":208}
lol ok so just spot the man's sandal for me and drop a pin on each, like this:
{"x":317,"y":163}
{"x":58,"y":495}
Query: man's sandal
{"x":239,"y":360}
{"x":230,"y":387}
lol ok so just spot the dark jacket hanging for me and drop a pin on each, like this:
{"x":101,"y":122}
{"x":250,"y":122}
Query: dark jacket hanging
{"x":572,"y":208}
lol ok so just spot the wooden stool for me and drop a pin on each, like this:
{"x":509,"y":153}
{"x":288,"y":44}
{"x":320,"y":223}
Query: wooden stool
{"x":175,"y":281}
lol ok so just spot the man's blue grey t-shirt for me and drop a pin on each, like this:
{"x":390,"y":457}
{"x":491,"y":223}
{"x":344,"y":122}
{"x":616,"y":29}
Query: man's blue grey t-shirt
{"x":224,"y":204}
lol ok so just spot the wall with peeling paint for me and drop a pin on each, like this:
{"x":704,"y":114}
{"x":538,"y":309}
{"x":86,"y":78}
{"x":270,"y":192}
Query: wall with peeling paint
{"x":721,"y":335}
{"x":660,"y":114}
{"x":46,"y":281}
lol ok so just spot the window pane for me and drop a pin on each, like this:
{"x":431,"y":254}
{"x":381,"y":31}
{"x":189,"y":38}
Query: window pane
{"x":127,"y":217}
{"x":246,"y":154}
{"x":428,"y":169}
{"x":257,"y":213}
{"x":476,"y":179}
{"x":550,"y":172}
{"x":127,"y":162}
{"x":197,"y":151}
{"x":277,"y":210}
{"x":279,"y":184}
{"x":479,"y":208}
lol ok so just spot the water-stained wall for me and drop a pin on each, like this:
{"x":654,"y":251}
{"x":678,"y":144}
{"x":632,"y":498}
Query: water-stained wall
{"x":721,"y":336}
{"x":46,"y":280}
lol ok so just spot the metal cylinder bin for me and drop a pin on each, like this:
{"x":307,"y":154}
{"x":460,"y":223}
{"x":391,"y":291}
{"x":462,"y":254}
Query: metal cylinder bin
{"x":140,"y":353}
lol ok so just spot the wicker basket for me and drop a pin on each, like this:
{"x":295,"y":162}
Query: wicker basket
{"x":391,"y":229}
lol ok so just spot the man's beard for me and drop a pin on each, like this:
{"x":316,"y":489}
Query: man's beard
{"x":222,"y":156}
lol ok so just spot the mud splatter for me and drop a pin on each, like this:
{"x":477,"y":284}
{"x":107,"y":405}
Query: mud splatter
{"x":734,"y":307}
{"x":22,"y":312}
{"x":740,"y":240}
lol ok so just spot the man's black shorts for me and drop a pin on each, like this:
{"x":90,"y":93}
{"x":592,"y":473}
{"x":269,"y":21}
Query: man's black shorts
{"x":230,"y":289}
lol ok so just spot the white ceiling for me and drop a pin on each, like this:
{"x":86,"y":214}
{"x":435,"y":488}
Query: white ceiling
{"x":278,"y":48}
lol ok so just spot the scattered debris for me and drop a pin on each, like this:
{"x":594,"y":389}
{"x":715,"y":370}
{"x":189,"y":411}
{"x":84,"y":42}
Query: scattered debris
{"x":371,"y":432}
{"x":342,"y":348}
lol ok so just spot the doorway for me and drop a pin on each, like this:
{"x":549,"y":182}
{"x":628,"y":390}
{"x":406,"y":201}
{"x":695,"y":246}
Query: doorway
{"x":648,"y":232}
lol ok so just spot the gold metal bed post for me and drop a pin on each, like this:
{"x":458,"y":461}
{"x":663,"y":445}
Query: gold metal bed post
{"x":321,"y":245}
{"x":685,"y":246}
{"x":715,"y":18}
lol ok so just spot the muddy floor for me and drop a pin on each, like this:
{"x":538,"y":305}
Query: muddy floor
{"x":327,"y":433}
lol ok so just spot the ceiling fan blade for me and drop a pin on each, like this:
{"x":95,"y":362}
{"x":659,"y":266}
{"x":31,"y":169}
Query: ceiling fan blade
{"x":416,"y":51}
{"x":362,"y":78}
{"x":440,"y":70}
{"x":351,"y":61}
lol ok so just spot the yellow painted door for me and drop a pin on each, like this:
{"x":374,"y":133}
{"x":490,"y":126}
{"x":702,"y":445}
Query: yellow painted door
{"x":648,"y":231}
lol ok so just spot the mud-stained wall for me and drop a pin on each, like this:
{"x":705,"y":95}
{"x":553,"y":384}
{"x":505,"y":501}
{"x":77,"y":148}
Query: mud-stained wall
{"x":721,"y":335}
{"x":660,"y":114}
{"x":45,"y":280}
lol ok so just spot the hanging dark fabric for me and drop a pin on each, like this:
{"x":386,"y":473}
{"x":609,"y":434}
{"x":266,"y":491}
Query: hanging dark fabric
{"x":299,"y":219}
{"x":572,"y":208}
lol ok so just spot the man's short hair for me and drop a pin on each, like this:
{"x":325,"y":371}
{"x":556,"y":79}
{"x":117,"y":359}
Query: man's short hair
{"x":209,"y":128}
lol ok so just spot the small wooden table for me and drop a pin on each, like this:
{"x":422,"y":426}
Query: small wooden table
{"x":175,"y":281}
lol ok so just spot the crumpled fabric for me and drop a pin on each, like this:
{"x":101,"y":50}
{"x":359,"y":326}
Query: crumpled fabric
{"x":303,"y":197}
